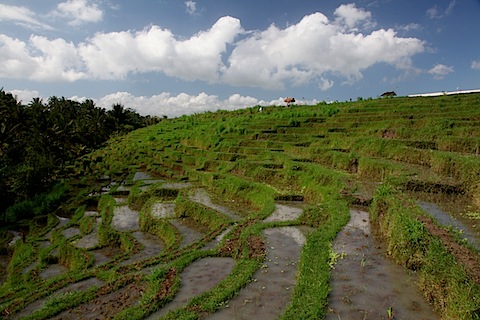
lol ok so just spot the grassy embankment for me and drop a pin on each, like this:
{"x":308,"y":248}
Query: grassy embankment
{"x":329,"y":155}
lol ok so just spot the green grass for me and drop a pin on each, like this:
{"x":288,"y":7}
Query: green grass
{"x":248,"y":159}
{"x":442,"y":279}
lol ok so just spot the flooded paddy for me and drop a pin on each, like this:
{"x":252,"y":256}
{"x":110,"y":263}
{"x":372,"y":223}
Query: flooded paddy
{"x":74,"y":287}
{"x":201,"y":196}
{"x":469,"y":230}
{"x":368,"y":285}
{"x":270,"y":291}
{"x":199,"y":277}
{"x":365,"y":284}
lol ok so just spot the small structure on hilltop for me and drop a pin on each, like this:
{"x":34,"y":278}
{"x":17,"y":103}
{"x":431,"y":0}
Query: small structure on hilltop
{"x":289,"y":101}
{"x":389,"y":94}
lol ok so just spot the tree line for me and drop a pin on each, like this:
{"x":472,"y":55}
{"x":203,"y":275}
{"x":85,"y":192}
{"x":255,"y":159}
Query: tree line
{"x":37,"y":140}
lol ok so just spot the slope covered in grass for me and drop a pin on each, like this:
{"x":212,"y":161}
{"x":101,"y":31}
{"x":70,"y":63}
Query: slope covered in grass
{"x":389,"y":152}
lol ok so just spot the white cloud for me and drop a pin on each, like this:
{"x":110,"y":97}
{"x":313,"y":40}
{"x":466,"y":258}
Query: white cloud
{"x":114,"y":55}
{"x":450,"y":7}
{"x":432,"y":12}
{"x":440,"y":71}
{"x":191,"y":7}
{"x":314,"y":47}
{"x":40,"y":59}
{"x":325,"y":84}
{"x":410,"y":27}
{"x":436,"y":13}
{"x":475,"y":65}
{"x":25,"y":96}
{"x":79,"y":12}
{"x":21,"y":16}
{"x":310,"y":51}
{"x":166,"y":104}
{"x":174,"y":106}
{"x":348,"y":15}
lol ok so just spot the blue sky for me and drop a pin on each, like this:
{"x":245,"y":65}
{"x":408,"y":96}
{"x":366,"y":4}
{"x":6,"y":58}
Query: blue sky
{"x":165,"y":57}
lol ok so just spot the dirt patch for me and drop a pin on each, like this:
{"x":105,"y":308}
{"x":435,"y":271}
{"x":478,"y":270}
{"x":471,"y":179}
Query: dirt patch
{"x":233,"y":247}
{"x":106,"y":306}
{"x":469,"y":259}
{"x":367,"y":285}
{"x":4,"y":261}
{"x":389,"y":134}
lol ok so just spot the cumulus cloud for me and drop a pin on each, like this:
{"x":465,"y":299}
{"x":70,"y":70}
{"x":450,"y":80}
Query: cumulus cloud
{"x":440,"y":71}
{"x":166,"y":104}
{"x":21,"y":16}
{"x":114,"y":55}
{"x":348,"y":15}
{"x":25,"y":96}
{"x":79,"y":12}
{"x":311,"y":51}
{"x":475,"y":65}
{"x":57,"y":59}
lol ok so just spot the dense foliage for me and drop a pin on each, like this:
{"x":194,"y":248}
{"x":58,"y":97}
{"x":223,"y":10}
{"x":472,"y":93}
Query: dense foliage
{"x":38,"y":140}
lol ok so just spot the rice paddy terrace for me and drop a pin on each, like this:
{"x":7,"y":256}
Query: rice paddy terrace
{"x":255,"y":213}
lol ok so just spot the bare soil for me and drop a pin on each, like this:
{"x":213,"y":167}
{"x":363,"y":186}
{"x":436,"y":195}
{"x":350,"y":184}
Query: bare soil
{"x":105,"y":306}
{"x":467,"y":257}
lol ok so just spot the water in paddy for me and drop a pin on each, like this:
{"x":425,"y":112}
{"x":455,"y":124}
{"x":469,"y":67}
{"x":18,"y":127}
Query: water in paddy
{"x":366,"y":284}
{"x":270,"y":291}
{"x":469,"y":230}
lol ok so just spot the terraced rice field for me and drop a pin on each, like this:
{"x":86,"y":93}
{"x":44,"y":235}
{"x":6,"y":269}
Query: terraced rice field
{"x":331,"y":211}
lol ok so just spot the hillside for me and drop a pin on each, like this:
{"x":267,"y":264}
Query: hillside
{"x":226,"y":177}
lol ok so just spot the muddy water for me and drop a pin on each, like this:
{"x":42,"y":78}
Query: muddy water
{"x":152,"y":245}
{"x":105,"y":254}
{"x":17,"y":235}
{"x":163,"y":210}
{"x":89,"y":240}
{"x":53,"y":270}
{"x":217,"y":239}
{"x":71,"y":232}
{"x":199,"y":277}
{"x":283,"y":212}
{"x":366,"y":284}
{"x":125,"y":219}
{"x":189,"y":235}
{"x":269,"y":292}
{"x":79,"y":286}
{"x":465,"y":225}
{"x":201,"y":196}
